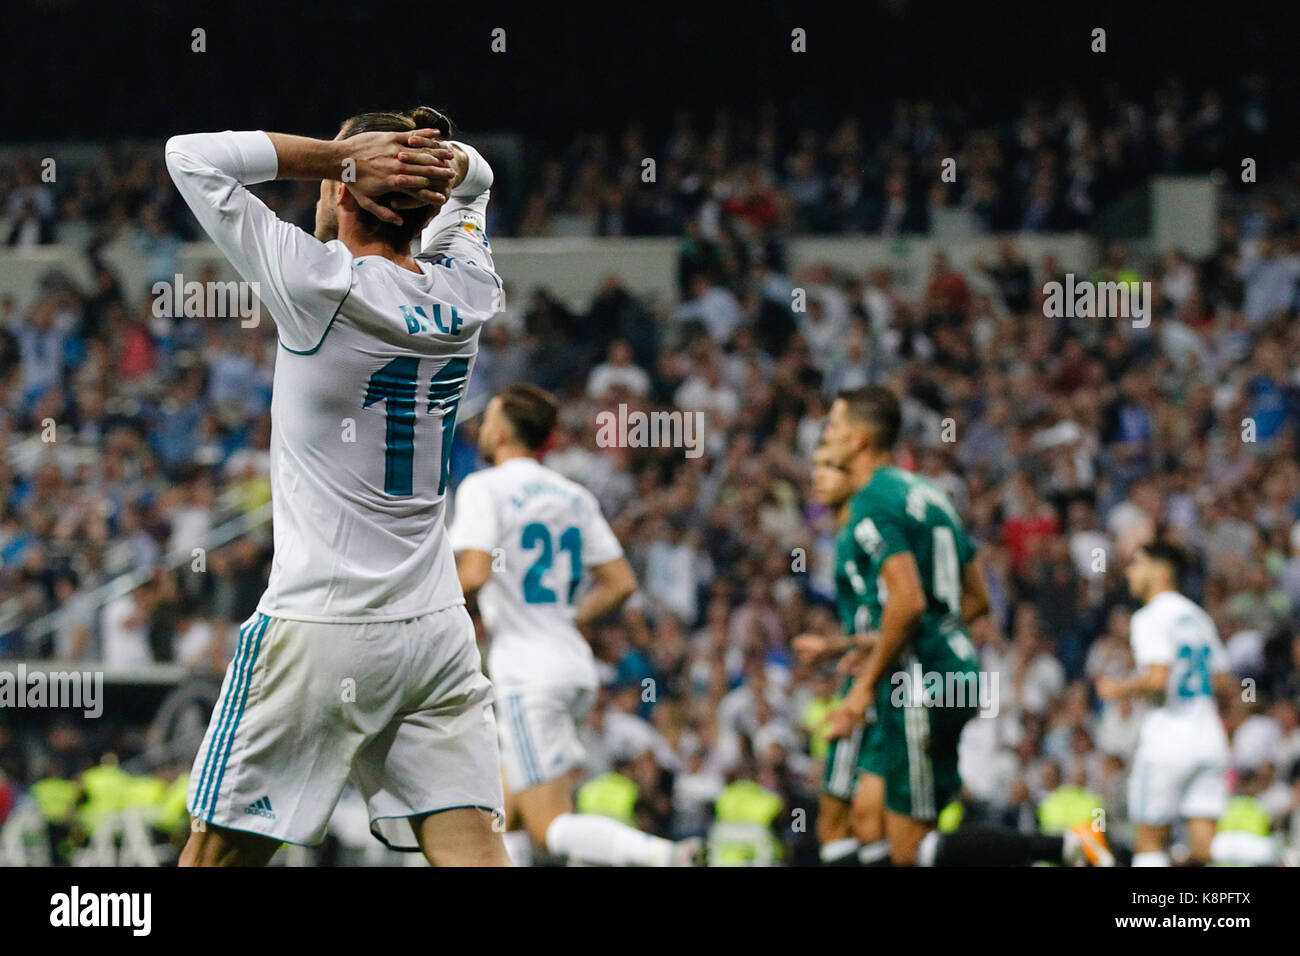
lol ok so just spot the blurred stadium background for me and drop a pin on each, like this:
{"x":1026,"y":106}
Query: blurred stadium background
{"x":772,"y":174}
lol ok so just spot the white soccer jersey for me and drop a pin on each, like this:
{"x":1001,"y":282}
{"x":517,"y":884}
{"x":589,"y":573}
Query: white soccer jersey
{"x":1171,"y":630}
{"x":373,"y":363}
{"x":542,"y":531}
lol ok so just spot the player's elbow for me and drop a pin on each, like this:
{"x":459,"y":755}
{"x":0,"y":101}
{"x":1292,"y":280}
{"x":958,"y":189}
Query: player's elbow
{"x":478,"y":174}
{"x":912,"y":606}
{"x":626,"y":589}
{"x":618,"y":579}
{"x":625,"y":586}
{"x":177,"y":154}
{"x":185,"y":164}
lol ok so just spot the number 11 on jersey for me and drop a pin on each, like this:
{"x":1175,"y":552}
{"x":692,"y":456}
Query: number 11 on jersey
{"x":395,"y":386}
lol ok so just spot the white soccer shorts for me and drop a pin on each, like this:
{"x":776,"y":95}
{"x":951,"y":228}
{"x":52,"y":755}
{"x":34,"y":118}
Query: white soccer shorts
{"x":1167,"y":786}
{"x":402,"y":709}
{"x":539,"y":733}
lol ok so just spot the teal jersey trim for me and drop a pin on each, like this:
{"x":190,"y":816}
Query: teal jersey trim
{"x":316,"y":348}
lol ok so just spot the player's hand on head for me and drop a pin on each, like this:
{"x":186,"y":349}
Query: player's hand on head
{"x":386,"y":162}
{"x":428,"y":139}
{"x":438,"y":162}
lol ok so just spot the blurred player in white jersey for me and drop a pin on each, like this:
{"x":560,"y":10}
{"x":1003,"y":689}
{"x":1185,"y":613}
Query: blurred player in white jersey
{"x":360,"y":663}
{"x":1181,"y":763}
{"x":527,"y":540}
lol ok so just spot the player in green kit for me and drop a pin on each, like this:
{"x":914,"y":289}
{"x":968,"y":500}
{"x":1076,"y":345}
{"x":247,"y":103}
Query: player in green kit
{"x":850,"y":821}
{"x":911,"y":557}
{"x":913,"y":566}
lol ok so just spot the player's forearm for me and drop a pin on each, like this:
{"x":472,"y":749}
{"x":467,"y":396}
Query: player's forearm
{"x":975,"y":601}
{"x":599,"y":601}
{"x":613,"y":582}
{"x":460,"y":163}
{"x":854,"y":642}
{"x":473,"y":568}
{"x":864,"y":642}
{"x":301,"y":157}
{"x":473,"y":174}
{"x":973,"y":608}
{"x":466,"y":206}
{"x":836,"y":644}
{"x":1225,"y":688}
{"x":470,"y":586}
{"x":1144,"y":683}
{"x":297,"y":157}
{"x":1150,"y":683}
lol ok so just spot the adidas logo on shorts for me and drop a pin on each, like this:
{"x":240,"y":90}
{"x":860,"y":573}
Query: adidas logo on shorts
{"x":261,"y":808}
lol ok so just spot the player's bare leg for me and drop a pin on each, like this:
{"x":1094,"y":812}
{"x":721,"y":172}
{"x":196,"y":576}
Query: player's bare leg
{"x":511,"y":814}
{"x":1149,"y":843}
{"x":464,"y":836}
{"x":519,"y":842}
{"x":832,"y":819}
{"x":836,"y":842}
{"x":905,"y":835}
{"x":867,"y":813}
{"x":867,"y":819}
{"x":211,"y":845}
{"x":539,"y":806}
{"x":1200,"y":834}
{"x":548,"y":814}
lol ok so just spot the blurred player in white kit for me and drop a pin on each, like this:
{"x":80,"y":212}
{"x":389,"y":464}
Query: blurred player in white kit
{"x":527,"y":541}
{"x":1180,"y":767}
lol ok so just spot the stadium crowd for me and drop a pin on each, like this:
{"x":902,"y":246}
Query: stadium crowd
{"x":1064,"y":442}
{"x":1053,"y":166}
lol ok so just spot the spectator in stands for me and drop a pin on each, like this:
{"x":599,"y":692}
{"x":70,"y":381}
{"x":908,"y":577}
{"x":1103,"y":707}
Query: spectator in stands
{"x":618,"y":375}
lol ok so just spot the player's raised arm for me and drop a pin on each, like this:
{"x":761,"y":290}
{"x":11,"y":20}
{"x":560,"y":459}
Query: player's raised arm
{"x":460,"y":226}
{"x":299,"y":278}
{"x":376,"y":164}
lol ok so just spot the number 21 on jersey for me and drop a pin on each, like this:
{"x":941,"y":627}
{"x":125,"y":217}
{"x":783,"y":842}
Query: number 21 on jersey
{"x":537,"y":534}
